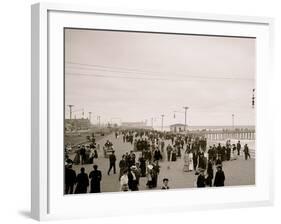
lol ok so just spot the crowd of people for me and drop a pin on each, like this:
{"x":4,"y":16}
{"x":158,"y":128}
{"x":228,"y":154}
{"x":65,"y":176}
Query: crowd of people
{"x":152,"y":148}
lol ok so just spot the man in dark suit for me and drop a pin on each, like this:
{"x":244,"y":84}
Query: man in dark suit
{"x":95,"y":177}
{"x":228,"y":152}
{"x":122,"y":166}
{"x":70,"y":178}
{"x":246,"y":152}
{"x":112,"y":160}
{"x":169,"y":151}
{"x":82,"y":182}
{"x":238,"y":148}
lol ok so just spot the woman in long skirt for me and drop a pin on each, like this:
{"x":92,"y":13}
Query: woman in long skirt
{"x":174,"y":155}
{"x":190,"y":158}
{"x":142,"y":166}
{"x":210,"y":173}
{"x":201,"y":160}
{"x":76,"y":159}
{"x":234,"y":155}
{"x":186,"y":161}
{"x":124,"y":186}
{"x":179,"y":151}
{"x":149,"y":176}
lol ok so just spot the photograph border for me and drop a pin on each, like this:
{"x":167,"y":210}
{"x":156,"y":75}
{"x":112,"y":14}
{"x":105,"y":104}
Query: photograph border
{"x":40,"y":189}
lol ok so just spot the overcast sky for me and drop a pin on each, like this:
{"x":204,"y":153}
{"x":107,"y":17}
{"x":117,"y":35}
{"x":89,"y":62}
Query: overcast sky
{"x":136,"y":76}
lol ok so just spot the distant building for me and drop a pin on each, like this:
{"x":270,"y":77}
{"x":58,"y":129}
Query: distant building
{"x":177,"y":127}
{"x":134,"y":125}
{"x":77,"y":124}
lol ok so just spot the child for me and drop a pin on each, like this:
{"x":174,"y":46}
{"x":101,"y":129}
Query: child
{"x":165,"y":184}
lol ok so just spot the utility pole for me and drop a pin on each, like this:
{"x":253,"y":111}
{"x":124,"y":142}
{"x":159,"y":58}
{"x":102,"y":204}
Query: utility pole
{"x":90,"y":113}
{"x":162,"y":121}
{"x":152,"y":121}
{"x":185,"y":110}
{"x":253,"y":99}
{"x":99,"y":120}
{"x":232,"y":121}
{"x":70,"y":111}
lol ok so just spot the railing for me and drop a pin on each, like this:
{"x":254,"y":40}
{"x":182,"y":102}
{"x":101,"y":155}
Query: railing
{"x":227,"y":134}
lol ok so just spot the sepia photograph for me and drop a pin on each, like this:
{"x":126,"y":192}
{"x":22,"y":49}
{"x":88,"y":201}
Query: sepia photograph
{"x":157,"y":111}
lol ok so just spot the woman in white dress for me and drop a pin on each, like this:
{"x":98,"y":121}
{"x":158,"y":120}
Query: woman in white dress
{"x":234,"y":155}
{"x":190,"y":158}
{"x":124,"y":181}
{"x":186,"y":161}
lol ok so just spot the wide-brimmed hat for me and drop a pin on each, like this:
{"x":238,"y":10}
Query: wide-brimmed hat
{"x":133,"y":168}
{"x":150,"y":166}
{"x":200,"y":170}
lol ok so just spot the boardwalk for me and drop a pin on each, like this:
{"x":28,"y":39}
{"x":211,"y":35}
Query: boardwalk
{"x":238,"y":172}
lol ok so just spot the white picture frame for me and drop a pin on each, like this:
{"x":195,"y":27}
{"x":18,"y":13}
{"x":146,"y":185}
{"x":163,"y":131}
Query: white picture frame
{"x":48,"y":201}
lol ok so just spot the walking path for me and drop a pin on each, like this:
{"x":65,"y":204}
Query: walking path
{"x":238,"y":172}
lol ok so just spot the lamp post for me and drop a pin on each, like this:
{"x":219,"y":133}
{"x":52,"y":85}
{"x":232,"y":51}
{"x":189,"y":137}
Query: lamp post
{"x":253,"y":99}
{"x":152,"y":119}
{"x":232,"y":121}
{"x":185,"y":110}
{"x":90,"y":113}
{"x":98,"y":117}
{"x":162,"y":121}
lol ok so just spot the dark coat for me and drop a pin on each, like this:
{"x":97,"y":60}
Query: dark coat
{"x":174,"y":155}
{"x":246,"y":149}
{"x":228,"y":153}
{"x":210,"y":170}
{"x":238,"y":146}
{"x":142,"y":166}
{"x":202,"y":163}
{"x":69,"y":176}
{"x":122,"y":164}
{"x":95,"y":177}
{"x":210,"y":173}
{"x":201,"y":181}
{"x":112,"y":159}
{"x":148,"y":155}
{"x":132,"y":183}
{"x":83,"y":151}
{"x":219,"y":179}
{"x":157,"y":155}
{"x":155,"y":172}
{"x":82,"y":183}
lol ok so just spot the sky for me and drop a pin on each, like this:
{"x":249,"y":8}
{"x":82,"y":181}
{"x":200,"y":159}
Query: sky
{"x":136,"y":76}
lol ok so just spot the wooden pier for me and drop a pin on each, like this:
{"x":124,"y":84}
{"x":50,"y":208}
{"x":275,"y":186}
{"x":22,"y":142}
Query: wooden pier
{"x":227,"y":134}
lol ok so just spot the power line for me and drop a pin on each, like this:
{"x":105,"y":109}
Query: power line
{"x":147,"y":72}
{"x":142,"y":78}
